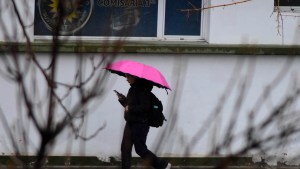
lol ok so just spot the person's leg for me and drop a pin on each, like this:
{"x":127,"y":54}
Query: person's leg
{"x":139,"y":136}
{"x":126,"y":147}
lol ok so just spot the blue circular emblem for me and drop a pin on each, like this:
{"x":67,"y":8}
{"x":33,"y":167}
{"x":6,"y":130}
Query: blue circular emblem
{"x":73,"y":16}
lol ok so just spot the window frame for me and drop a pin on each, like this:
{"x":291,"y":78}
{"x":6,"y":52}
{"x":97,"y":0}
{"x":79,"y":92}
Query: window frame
{"x":286,"y":8}
{"x":203,"y":37}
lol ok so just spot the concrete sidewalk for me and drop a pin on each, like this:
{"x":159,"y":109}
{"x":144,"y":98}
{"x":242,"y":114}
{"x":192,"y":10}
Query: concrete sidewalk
{"x":92,"y":162}
{"x":173,"y":167}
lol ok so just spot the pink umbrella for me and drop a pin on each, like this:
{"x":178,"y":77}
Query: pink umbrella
{"x":140,"y":70}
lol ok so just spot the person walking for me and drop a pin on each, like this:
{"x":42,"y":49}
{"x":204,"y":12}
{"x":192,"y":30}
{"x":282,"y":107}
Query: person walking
{"x":137,"y":105}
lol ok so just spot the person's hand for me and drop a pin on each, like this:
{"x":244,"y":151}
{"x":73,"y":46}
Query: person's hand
{"x":122,"y":99}
{"x":126,"y":109}
{"x":121,"y":96}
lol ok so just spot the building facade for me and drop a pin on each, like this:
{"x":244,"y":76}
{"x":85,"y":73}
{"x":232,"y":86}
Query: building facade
{"x":233,"y":67}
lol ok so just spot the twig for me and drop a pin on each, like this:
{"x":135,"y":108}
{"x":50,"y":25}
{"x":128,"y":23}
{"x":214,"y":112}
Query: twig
{"x":214,"y":6}
{"x":279,"y":22}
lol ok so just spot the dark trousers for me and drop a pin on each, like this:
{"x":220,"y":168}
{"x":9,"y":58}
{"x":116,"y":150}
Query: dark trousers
{"x":136,"y":134}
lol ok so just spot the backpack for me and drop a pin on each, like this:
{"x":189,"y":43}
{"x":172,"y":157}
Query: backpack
{"x":156,"y":117}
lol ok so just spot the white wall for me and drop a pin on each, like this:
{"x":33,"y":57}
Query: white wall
{"x":202,"y":83}
{"x":253,"y":22}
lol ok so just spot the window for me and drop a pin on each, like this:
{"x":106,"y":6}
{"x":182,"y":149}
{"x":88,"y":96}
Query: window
{"x":287,"y":5}
{"x":182,"y":23}
{"x":134,"y":19}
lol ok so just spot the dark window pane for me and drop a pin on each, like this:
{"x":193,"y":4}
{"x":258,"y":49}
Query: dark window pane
{"x":287,"y":2}
{"x":182,"y":23}
{"x":134,"y":18}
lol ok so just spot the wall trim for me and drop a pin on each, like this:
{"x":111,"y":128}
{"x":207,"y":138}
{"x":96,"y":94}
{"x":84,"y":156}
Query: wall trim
{"x":153,"y":48}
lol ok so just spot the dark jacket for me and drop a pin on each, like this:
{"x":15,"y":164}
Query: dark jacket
{"x":138,"y":101}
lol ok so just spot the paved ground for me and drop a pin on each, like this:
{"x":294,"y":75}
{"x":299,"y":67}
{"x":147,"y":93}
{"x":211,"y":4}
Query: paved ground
{"x":91,"y":162}
{"x":174,"y":167}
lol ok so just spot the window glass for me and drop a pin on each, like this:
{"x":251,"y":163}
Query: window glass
{"x":182,"y":23}
{"x":98,"y":17}
{"x":287,"y":2}
{"x":134,"y":19}
{"x":129,"y":21}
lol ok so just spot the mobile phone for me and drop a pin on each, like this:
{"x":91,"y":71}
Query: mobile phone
{"x":120,"y":95}
{"x":117,"y":92}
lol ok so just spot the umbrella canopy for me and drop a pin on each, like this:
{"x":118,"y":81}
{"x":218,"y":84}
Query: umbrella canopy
{"x":139,"y":70}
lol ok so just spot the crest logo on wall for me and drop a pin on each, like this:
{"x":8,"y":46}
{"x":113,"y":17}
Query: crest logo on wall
{"x":69,"y":16}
